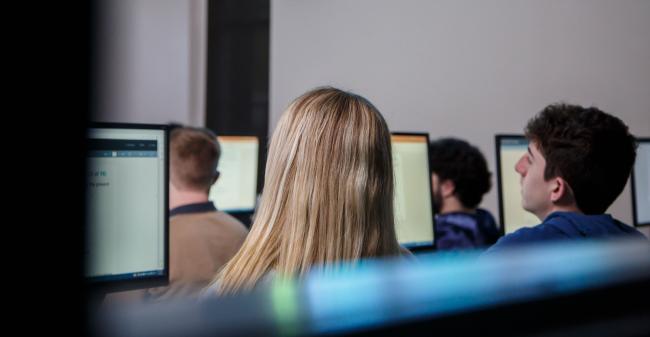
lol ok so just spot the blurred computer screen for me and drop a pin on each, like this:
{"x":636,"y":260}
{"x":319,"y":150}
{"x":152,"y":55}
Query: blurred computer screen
{"x":414,"y":218}
{"x":641,"y":183}
{"x":127,"y":206}
{"x":236,"y":189}
{"x":512,"y":215}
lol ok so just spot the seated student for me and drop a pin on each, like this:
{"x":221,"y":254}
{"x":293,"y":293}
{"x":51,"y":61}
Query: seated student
{"x":460,"y":178}
{"x":578,"y":162}
{"x":202,"y":239}
{"x":327,"y":197}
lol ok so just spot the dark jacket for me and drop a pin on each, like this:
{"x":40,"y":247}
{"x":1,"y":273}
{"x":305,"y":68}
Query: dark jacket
{"x":460,"y":230}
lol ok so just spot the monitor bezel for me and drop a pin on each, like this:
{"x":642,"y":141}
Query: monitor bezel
{"x":635,"y":219}
{"x":433,"y":245}
{"x":104,"y":285}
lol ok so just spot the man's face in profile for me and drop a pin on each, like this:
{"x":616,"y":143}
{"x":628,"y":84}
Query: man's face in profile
{"x":535,"y":190}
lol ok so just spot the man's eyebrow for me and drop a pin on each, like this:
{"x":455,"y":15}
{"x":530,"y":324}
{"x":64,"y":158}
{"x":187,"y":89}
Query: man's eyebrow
{"x":531,"y":152}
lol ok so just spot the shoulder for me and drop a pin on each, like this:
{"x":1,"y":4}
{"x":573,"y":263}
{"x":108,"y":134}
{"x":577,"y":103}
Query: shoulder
{"x":485,"y":214}
{"x":551,"y":229}
{"x":212,"y":218}
{"x":629,"y":230}
{"x":541,"y":232}
{"x":199,"y":227}
{"x":449,"y":221}
{"x":229,"y":220}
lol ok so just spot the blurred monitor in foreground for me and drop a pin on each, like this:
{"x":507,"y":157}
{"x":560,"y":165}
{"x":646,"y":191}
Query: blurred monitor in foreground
{"x":603,"y":291}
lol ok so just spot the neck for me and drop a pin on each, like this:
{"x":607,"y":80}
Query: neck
{"x":180,"y":198}
{"x":558,"y":208}
{"x":452,"y":204}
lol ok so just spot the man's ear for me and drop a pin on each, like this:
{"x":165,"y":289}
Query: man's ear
{"x":561,"y":191}
{"x":448,"y":188}
{"x":214,"y":180}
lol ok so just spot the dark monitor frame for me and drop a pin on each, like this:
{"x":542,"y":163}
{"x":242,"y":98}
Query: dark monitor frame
{"x":109,"y":285}
{"x":633,"y":188}
{"x":245,"y":216}
{"x":432,"y":246}
{"x":497,"y":142}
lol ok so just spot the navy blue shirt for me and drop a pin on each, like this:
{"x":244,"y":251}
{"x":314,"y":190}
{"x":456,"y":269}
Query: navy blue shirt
{"x":568,"y":226}
{"x":459,"y":230}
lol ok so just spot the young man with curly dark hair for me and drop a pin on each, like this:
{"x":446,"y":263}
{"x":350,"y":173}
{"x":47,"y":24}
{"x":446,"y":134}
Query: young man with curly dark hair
{"x":578,"y":162}
{"x":459,"y":178}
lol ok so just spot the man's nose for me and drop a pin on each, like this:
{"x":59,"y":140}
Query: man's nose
{"x":520,"y":166}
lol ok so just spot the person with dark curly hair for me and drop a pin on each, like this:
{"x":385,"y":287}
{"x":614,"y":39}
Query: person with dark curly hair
{"x":459,"y":178}
{"x":578,"y":162}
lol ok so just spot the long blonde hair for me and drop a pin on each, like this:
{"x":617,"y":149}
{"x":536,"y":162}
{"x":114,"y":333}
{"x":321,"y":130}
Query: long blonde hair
{"x":328,"y":192}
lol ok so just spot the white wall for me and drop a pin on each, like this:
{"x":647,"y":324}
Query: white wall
{"x":468,"y":68}
{"x":151,"y":61}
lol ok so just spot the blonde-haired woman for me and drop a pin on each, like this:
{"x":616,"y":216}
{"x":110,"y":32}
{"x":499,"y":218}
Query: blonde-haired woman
{"x":328,"y":192}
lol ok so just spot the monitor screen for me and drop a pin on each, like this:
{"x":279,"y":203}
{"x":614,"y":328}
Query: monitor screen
{"x":641,"y":184}
{"x":127,"y":205}
{"x":511,"y":212}
{"x":413,"y":200}
{"x":236,"y":188}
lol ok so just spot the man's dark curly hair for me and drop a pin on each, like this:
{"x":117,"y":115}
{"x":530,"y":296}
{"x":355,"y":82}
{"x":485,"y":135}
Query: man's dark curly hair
{"x":464,"y":165}
{"x":590,"y":149}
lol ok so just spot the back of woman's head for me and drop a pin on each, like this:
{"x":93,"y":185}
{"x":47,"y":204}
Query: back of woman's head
{"x":328,"y":191}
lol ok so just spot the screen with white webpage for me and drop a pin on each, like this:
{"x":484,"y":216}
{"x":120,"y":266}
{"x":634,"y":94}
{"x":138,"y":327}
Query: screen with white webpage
{"x":126,"y":203}
{"x":510,"y":150}
{"x":413,"y":200}
{"x":236,"y":188}
{"x":642,"y":183}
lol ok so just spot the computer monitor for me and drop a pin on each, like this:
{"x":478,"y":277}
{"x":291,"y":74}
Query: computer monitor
{"x":236,"y":189}
{"x":127,"y":224}
{"x":414,"y":221}
{"x":512,"y":215}
{"x":641,"y":184}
